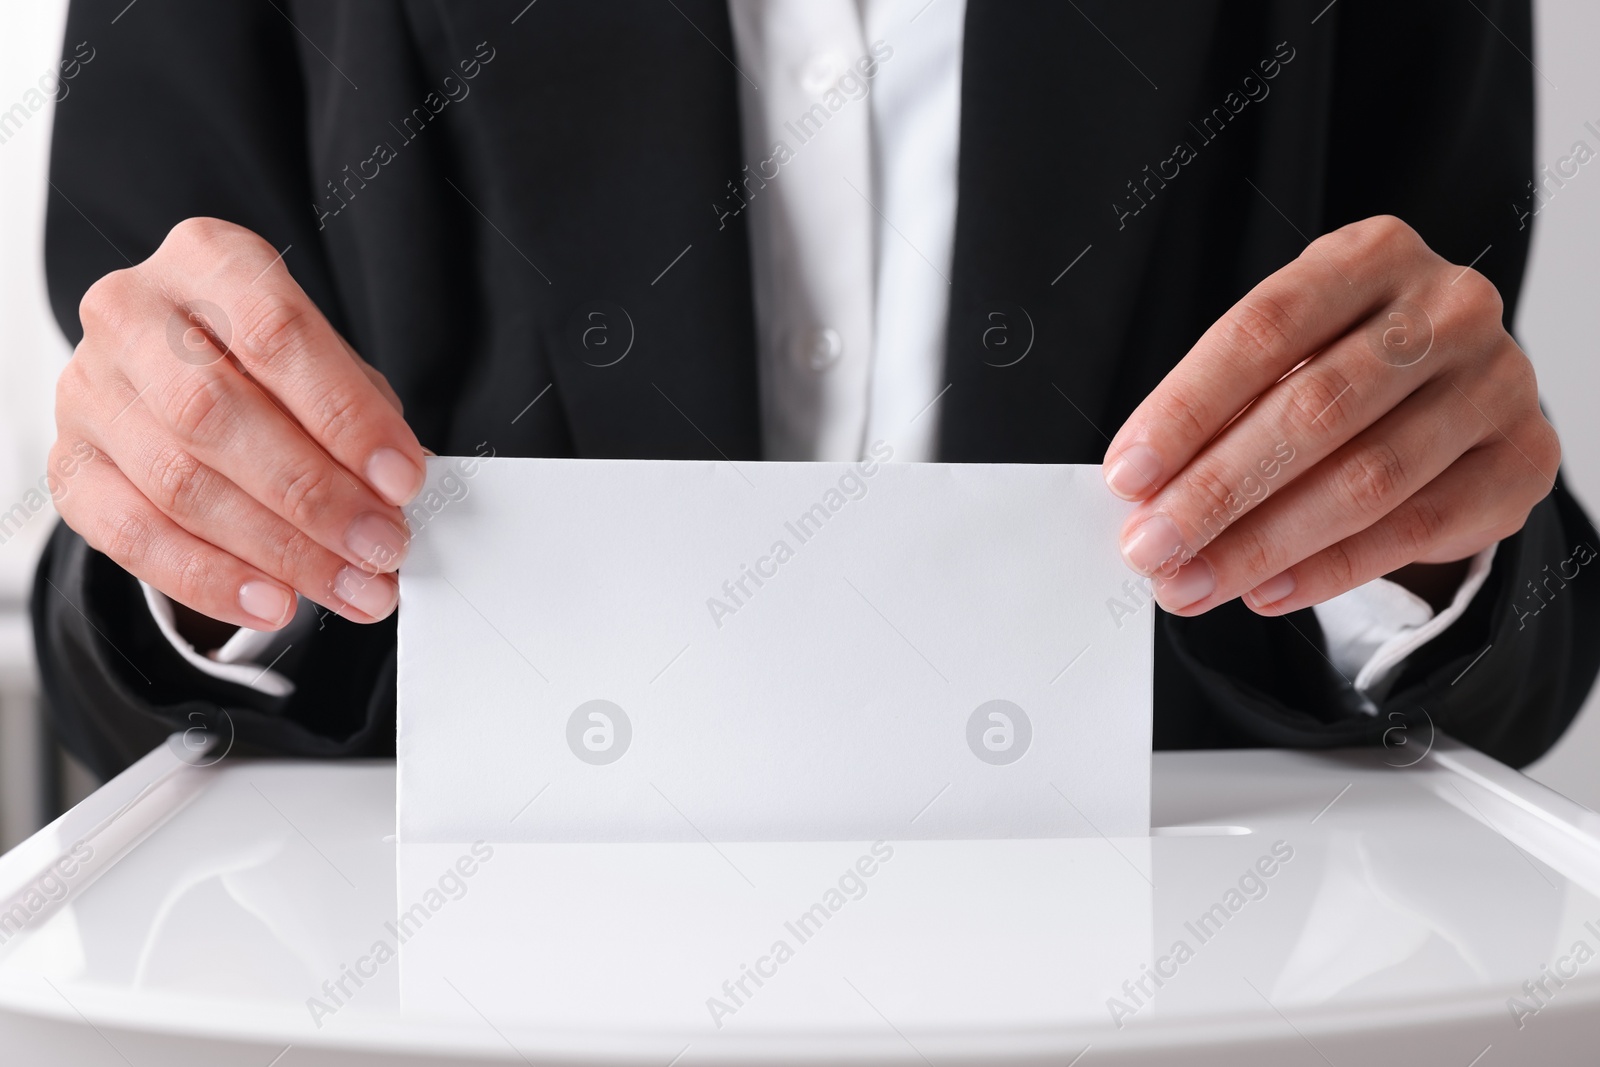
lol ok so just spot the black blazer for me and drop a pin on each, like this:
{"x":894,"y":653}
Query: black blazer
{"x":456,"y":234}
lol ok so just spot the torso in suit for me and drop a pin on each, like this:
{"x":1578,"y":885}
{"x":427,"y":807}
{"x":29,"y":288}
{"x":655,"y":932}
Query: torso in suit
{"x":474,"y":234}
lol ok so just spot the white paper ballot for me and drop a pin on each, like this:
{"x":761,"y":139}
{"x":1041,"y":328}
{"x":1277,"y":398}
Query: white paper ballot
{"x":629,"y":650}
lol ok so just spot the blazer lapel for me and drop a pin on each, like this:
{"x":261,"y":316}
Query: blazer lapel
{"x":1057,"y":121}
{"x":593,"y":146}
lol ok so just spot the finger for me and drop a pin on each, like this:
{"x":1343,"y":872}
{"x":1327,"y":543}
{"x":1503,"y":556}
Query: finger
{"x":115,"y":519}
{"x":374,"y":376}
{"x":1286,"y":434}
{"x":215,"y":417}
{"x":286,"y":344}
{"x":1352,"y":489}
{"x":1449,"y":519}
{"x":380,"y":383}
{"x":208,"y":504}
{"x":1340,"y":278}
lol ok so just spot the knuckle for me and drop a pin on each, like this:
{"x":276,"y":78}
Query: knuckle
{"x":242,"y":253}
{"x":126,"y":537}
{"x":1381,"y":233}
{"x":1371,"y":478}
{"x":1215,"y":506}
{"x":1508,"y":389}
{"x":1313,"y":398}
{"x":60,"y":465}
{"x":337,"y":415}
{"x":197,"y":230}
{"x":1478,"y":295}
{"x":305,"y":495}
{"x":1523,"y":380}
{"x":1419,"y":525}
{"x":177,"y":481}
{"x":1547,"y":447}
{"x":72,"y":388}
{"x":103,"y":309}
{"x":1260,"y":327}
{"x":1175,"y":412}
{"x":273,"y":331}
{"x":1253,"y":554}
{"x":1339,"y":566}
{"x":60,"y":451}
{"x":297,"y":558}
{"x":199,"y":405}
{"x":1539,"y":442}
{"x":194,"y":577}
{"x":1382,"y":246}
{"x":202,"y":235}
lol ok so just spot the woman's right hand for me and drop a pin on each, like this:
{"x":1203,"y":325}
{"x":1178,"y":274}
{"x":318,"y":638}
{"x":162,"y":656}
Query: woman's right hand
{"x":218,"y":439}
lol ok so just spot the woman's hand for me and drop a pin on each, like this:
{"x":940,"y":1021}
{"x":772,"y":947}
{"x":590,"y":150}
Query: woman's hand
{"x":1361,"y":413}
{"x":219,"y":440}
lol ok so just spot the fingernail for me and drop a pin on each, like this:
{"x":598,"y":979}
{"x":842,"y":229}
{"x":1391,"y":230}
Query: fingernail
{"x":1194,"y":582}
{"x":1271,"y":591}
{"x":1134,"y":471}
{"x":372,"y":594}
{"x":267,"y":602}
{"x":394,"y":476}
{"x":1151,"y":544}
{"x":376,"y":542}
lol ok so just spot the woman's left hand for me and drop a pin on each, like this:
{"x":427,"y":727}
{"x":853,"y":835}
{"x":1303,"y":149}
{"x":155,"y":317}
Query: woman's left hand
{"x":1361,"y":413}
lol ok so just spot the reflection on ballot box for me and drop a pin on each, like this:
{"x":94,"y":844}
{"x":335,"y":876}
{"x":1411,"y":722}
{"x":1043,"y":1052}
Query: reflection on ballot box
{"x":1380,"y":914}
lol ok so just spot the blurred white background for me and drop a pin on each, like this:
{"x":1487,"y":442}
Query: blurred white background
{"x":1554,"y":320}
{"x":33,"y":353}
{"x":30,"y":46}
{"x":1553,"y":324}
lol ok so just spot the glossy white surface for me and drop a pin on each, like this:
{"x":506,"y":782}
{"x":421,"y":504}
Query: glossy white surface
{"x":1415,"y":903}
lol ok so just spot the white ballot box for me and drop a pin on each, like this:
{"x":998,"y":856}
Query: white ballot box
{"x":1286,"y":908}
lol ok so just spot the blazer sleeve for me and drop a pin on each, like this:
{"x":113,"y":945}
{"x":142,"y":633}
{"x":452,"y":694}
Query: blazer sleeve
{"x":186,"y":108}
{"x":1438,"y":132}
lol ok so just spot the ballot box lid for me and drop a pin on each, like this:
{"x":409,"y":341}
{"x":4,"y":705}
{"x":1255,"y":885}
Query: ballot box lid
{"x":1413,"y":903}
